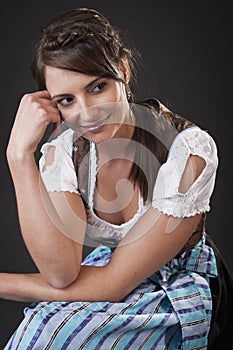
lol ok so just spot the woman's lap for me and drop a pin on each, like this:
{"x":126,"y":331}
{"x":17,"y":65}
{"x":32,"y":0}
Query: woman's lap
{"x":171,"y":310}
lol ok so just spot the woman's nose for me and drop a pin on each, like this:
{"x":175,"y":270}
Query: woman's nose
{"x":85,"y":109}
{"x":84,"y":103}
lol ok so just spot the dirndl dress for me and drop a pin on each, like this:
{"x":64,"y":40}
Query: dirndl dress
{"x":169,"y":310}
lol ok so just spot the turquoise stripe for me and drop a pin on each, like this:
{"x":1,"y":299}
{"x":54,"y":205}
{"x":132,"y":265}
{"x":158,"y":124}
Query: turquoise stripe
{"x":68,"y":324}
{"x":43,"y":324}
{"x":171,"y":339}
{"x":152,"y":316}
{"x":160,"y":334}
{"x":98,"y":257}
{"x":116,"y":328}
{"x":152,"y":299}
{"x":23,"y":325}
{"x":85,"y":325}
{"x":29,"y":332}
{"x":156,"y":324}
{"x":96,"y":332}
{"x":197,"y":343}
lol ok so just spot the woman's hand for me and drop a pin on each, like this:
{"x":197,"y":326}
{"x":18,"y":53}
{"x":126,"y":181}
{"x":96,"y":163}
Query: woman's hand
{"x":36,"y":111}
{"x":46,"y":229}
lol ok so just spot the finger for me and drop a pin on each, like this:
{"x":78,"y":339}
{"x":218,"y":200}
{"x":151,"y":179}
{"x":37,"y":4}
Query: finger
{"x":42,"y":94}
{"x":53,"y":115}
{"x":47,"y":103}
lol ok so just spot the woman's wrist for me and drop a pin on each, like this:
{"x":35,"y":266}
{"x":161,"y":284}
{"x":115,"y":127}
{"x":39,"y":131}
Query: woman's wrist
{"x":16,"y":155}
{"x":20,"y":162}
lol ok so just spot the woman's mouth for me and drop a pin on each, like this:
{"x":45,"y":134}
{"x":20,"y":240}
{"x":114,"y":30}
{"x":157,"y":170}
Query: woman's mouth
{"x":97,"y":126}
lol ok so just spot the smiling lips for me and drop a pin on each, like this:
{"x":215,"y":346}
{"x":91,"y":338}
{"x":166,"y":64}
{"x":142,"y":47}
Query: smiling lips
{"x":96,"y":127}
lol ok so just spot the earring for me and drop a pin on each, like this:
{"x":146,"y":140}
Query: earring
{"x":128,"y":94}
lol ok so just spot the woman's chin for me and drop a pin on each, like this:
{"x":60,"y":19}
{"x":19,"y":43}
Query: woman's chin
{"x":98,"y":136}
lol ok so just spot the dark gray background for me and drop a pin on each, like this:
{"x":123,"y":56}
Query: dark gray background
{"x":186,"y":63}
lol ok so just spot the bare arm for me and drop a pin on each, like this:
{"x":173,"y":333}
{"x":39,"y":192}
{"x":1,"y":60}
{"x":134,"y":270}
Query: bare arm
{"x":130,"y":264}
{"x":57,"y":257}
{"x":152,"y":242}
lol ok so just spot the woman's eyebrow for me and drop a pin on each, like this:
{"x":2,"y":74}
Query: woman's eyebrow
{"x":85,"y":87}
{"x":60,"y":96}
{"x":92,"y":82}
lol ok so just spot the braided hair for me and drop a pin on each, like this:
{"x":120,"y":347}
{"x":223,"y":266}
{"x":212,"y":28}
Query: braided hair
{"x":82,"y":40}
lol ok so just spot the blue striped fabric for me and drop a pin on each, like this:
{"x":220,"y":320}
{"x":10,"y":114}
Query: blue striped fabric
{"x":169,"y":310}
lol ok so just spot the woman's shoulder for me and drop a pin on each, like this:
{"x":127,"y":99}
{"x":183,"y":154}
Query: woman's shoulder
{"x":62,"y":139}
{"x":56,"y":165}
{"x":194,"y":140}
{"x":168,"y":196}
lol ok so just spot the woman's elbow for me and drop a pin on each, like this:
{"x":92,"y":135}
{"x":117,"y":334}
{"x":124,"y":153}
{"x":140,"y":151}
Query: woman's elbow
{"x":62,"y":280}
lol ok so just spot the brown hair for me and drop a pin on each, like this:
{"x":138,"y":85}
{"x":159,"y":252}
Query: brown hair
{"x":156,"y":128}
{"x":83,"y":40}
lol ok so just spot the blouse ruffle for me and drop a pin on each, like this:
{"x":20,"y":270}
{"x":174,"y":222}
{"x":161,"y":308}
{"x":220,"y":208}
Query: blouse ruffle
{"x":166,"y":195}
{"x":61,"y":175}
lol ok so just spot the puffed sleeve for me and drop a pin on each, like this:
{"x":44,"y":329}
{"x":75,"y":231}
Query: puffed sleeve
{"x":166,"y":196}
{"x":56,"y":165}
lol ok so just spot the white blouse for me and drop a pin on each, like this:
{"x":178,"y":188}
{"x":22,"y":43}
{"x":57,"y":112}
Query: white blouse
{"x":60,"y":175}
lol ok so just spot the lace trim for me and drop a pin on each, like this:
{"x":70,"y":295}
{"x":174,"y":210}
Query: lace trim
{"x":166,"y":196}
{"x":53,"y":174}
{"x":173,"y":207}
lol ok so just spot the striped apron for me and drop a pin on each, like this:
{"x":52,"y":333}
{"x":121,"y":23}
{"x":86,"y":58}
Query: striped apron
{"x":169,"y":310}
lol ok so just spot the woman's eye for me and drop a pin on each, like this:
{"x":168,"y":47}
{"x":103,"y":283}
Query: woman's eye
{"x":65,"y":101}
{"x":97,"y":88}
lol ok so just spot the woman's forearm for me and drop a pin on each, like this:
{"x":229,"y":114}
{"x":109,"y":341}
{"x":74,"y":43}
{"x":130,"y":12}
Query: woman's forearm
{"x":93,"y":284}
{"x":57,"y":257}
{"x":130,"y":264}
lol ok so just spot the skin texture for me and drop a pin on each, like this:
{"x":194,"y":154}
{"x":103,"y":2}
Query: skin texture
{"x":153,"y":240}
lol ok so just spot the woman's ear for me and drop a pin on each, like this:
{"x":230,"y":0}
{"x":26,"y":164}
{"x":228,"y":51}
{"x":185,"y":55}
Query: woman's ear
{"x":124,"y":70}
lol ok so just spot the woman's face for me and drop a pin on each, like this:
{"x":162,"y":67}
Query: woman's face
{"x":95,"y":107}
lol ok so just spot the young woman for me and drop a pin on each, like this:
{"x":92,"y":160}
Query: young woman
{"x":130,"y":179}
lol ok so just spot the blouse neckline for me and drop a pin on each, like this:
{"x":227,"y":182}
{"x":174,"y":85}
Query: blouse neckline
{"x":91,"y":185}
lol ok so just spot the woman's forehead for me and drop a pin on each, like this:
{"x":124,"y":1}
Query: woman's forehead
{"x":54,"y":77}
